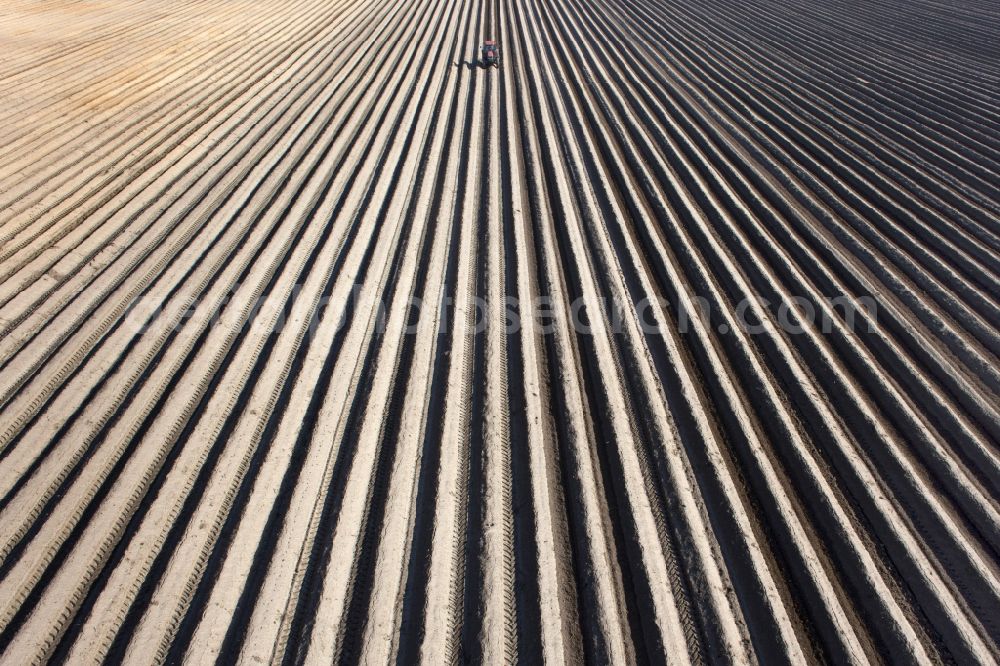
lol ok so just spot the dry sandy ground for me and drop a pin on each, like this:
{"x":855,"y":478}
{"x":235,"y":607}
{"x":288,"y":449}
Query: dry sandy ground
{"x":226,"y":432}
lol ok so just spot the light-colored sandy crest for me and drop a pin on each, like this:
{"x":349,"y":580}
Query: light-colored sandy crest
{"x":246,"y":414}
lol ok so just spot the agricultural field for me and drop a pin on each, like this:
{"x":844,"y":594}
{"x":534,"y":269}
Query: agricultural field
{"x":673,"y":337}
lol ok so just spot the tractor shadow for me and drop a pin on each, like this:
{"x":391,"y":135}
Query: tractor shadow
{"x":470,"y":64}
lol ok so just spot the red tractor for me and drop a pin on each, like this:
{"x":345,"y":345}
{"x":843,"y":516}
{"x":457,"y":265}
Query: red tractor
{"x":491,"y":54}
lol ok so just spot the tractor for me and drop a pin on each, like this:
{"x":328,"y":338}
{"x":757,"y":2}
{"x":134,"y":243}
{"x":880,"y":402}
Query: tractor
{"x":491,"y":54}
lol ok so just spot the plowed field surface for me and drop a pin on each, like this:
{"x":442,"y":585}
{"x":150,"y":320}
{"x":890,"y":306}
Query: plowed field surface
{"x":674,"y":338}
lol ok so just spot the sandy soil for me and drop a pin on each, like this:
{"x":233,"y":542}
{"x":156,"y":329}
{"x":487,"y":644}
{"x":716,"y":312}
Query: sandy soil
{"x":226,"y":434}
